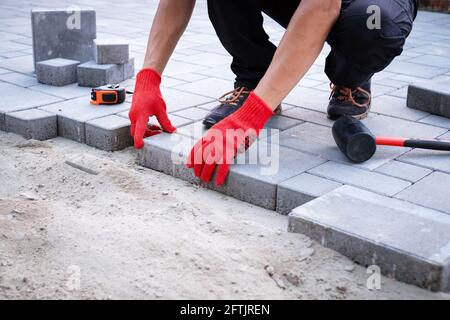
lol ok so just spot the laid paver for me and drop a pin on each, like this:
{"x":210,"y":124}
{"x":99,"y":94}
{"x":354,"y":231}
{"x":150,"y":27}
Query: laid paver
{"x":73,"y":114}
{"x":404,"y":171}
{"x":308,"y":115}
{"x":321,"y":143}
{"x":15,"y":98}
{"x":301,"y":189}
{"x":369,"y":180}
{"x":374,"y":230}
{"x":309,"y":98}
{"x":211,"y":87}
{"x":192,"y":113}
{"x":32,"y":124}
{"x":178,"y":100}
{"x":63,"y":33}
{"x":110,"y":133}
{"x":431,"y":192}
{"x":262,"y":180}
{"x":57,"y":72}
{"x":435,"y":160}
{"x":431,"y":96}
{"x":437,"y":121}
{"x":19,"y":79}
{"x":111,"y":52}
{"x":65,"y":92}
{"x":396,"y":107}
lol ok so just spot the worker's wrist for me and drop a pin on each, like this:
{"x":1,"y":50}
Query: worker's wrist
{"x":255,"y":111}
{"x":147,"y":78}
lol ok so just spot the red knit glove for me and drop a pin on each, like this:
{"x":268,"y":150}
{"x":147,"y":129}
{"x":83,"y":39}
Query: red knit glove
{"x":147,"y":102}
{"x":228,"y":137}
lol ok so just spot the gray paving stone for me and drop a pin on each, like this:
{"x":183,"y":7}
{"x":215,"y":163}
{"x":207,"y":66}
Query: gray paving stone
{"x":178,"y":100}
{"x":65,"y":92}
{"x":19,"y":79}
{"x":309,"y":98}
{"x":437,"y":121}
{"x":57,"y":72}
{"x":309,"y":116}
{"x":388,"y":126}
{"x":368,"y":180}
{"x":32,"y":124}
{"x":206,"y":59}
{"x":212,"y":87}
{"x":111,"y":133}
{"x":91,"y":74}
{"x":73,"y":114}
{"x":431,"y":96}
{"x":281,"y":123}
{"x":375,"y":230}
{"x":20,"y":64}
{"x":192,"y":113}
{"x":15,"y":98}
{"x":300,"y":190}
{"x":321,"y":143}
{"x":111,"y":52}
{"x":57,"y":35}
{"x":431,"y":192}
{"x":253,"y":183}
{"x":128,"y":69}
{"x":404,"y":171}
{"x":435,"y":160}
{"x":396,"y":107}
{"x":414,"y":69}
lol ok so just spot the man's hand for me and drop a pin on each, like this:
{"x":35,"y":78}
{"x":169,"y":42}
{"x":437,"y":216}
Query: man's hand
{"x":147,"y":102}
{"x":224,"y":140}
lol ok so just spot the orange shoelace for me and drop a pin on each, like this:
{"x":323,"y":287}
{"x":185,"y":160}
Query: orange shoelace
{"x":233,"y":96}
{"x":347,"y":94}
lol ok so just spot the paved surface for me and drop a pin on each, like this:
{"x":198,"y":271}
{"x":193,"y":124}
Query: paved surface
{"x":199,"y":72}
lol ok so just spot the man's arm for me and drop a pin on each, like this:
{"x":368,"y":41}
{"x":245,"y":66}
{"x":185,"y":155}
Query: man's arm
{"x":299,"y":48}
{"x":171,"y":19}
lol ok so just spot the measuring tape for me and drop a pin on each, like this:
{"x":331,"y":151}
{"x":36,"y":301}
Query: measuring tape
{"x":109,"y":95}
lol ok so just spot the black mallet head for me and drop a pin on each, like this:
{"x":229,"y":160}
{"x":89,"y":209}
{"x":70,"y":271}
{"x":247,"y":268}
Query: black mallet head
{"x":354,"y":139}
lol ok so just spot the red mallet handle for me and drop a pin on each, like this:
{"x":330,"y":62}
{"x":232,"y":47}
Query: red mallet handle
{"x":414,"y":143}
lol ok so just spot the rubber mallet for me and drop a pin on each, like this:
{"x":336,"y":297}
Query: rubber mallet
{"x":356,"y":141}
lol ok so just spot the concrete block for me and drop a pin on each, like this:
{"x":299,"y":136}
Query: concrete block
{"x":128,"y":69}
{"x":110,"y":133}
{"x":15,"y":98}
{"x":91,"y":74}
{"x":57,"y":72}
{"x":321,"y":143}
{"x":300,"y":190}
{"x":368,"y":180}
{"x":281,"y":123}
{"x":434,"y":160}
{"x":70,"y":91}
{"x":406,"y":241}
{"x":309,"y":116}
{"x":32,"y":124}
{"x":178,"y":100}
{"x":73,"y":114}
{"x":63,"y":33}
{"x":414,"y":69}
{"x":111,"y":52}
{"x":192,"y":113}
{"x":176,"y":121}
{"x":404,"y":171}
{"x":253,"y":183}
{"x":396,"y":107}
{"x":19,"y":79}
{"x":432,"y":96}
{"x":309,"y":98}
{"x":432,"y":192}
{"x":212,"y":87}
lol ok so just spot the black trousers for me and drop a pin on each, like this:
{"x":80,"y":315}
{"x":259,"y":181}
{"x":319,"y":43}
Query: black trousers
{"x":357,"y":52}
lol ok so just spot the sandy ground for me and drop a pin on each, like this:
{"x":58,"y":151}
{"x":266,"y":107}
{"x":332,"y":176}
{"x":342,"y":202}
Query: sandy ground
{"x":129,"y":232}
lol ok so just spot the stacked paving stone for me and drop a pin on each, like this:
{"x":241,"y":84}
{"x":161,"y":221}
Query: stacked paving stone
{"x":112,"y":65}
{"x":66,"y":50}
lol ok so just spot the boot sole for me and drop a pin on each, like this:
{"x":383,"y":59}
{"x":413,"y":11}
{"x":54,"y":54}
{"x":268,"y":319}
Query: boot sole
{"x":361,"y":116}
